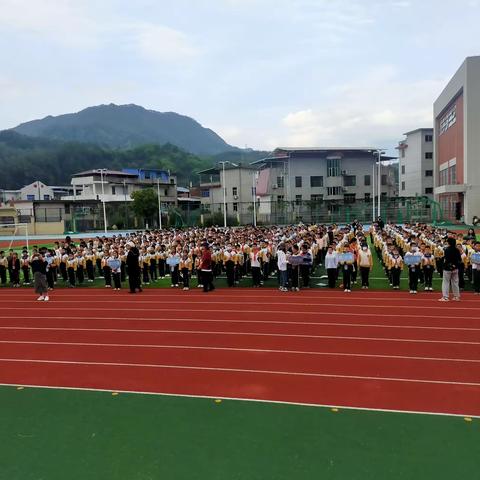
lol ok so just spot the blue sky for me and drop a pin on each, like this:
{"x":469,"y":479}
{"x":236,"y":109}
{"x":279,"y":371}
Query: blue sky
{"x":262,"y":73}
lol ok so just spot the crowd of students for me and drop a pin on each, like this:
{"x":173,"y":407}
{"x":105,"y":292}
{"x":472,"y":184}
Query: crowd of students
{"x":252,"y":256}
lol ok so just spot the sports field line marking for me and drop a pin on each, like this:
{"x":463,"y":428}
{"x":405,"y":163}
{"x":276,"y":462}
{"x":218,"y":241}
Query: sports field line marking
{"x":275,"y":322}
{"x":218,"y":310}
{"x":241,"y":370}
{"x":253,"y":334}
{"x":242,"y":302}
{"x":249,"y":350}
{"x":240,"y":399}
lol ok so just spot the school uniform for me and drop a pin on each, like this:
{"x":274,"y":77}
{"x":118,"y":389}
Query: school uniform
{"x":186,"y":266}
{"x":107,"y":272}
{"x":347,"y":269}
{"x":413,"y":272}
{"x":115,"y":266}
{"x":25,"y":265}
{"x":175,"y":270}
{"x":475,"y":274}
{"x":331,"y":266}
{"x":428,"y":267}
{"x":14,"y":271}
{"x":71,"y":267}
{"x":255,"y":265}
{"x":229,"y":267}
{"x":89,"y":266}
{"x":396,"y":269}
{"x":365,"y":265}
{"x":3,"y":270}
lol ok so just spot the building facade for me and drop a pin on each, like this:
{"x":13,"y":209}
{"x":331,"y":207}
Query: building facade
{"x":457,"y":144}
{"x":415,"y":161}
{"x":117,"y":186}
{"x":239,"y":184}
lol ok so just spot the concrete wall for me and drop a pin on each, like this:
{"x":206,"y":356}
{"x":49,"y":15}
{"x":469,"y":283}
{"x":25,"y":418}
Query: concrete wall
{"x":416,"y":164}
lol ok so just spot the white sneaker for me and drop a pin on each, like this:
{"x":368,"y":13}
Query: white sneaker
{"x":46,"y":299}
{"x":411,"y":291}
{"x":41,"y":298}
{"x":199,"y":286}
{"x":456,"y":299}
{"x":443,"y":299}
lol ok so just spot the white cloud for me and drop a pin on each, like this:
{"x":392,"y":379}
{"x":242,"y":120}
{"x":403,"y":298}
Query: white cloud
{"x":378,"y":107}
{"x":159,"y":43}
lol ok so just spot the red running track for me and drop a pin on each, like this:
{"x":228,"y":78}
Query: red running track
{"x":376,"y":350}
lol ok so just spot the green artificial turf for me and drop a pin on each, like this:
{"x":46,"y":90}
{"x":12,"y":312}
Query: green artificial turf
{"x":79,"y":435}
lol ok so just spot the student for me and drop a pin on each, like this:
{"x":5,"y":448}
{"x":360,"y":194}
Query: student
{"x":294,"y":270}
{"x":174,"y":262}
{"x":452,"y":260}
{"x":206,"y":269}
{"x":475,"y":268}
{"x":428,"y":267}
{"x":50,"y":258}
{"x":115,"y":266}
{"x":346,"y":264}
{"x":306,"y":266}
{"x":413,"y":268}
{"x":89,"y":266}
{"x":331,"y":266}
{"x":186,"y":264}
{"x":81,"y":267}
{"x":25,"y":265}
{"x":39,"y":270}
{"x":462,"y":267}
{"x":229,"y":262}
{"x":107,"y":271}
{"x":153,"y":264}
{"x":255,"y":265}
{"x":365,"y":264}
{"x":3,"y":268}
{"x":14,"y":270}
{"x":133,"y":267}
{"x":71,"y":269}
{"x":396,"y":267}
{"x":282,"y":268}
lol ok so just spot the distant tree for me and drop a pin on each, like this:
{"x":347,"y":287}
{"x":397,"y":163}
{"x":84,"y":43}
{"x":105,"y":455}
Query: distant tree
{"x":145,"y":204}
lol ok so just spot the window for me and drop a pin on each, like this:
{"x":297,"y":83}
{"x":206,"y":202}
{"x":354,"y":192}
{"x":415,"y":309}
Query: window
{"x":46,"y":197}
{"x":234,"y":191}
{"x":172,"y":181}
{"x":429,"y":138}
{"x":367,"y":180}
{"x":428,"y":155}
{"x":235,"y":207}
{"x":205,"y":193}
{"x":429,"y":190}
{"x":279,"y":198}
{"x":298,"y":182}
{"x":403,"y":186}
{"x":298,"y":199}
{"x":384,"y":179}
{"x":166,"y":192}
{"x":452,"y":174}
{"x":349,"y":198}
{"x":402,"y":153}
{"x":350,"y":180}
{"x":316,"y":181}
{"x":334,"y":191}
{"x":429,"y":173}
{"x":367,"y":197}
{"x":384,"y":194}
{"x":316,"y":198}
{"x":113,"y":190}
{"x":280,"y":182}
{"x":403,"y":169}
{"x":30,"y":197}
{"x":333,"y":167}
{"x":448,"y":119}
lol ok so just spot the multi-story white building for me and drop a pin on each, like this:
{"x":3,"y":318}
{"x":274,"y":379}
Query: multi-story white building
{"x":457,"y":143}
{"x":117,"y":186}
{"x":239,"y":183}
{"x":416,"y":163}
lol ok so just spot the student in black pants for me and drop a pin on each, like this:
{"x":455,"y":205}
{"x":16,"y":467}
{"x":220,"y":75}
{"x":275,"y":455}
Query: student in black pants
{"x":331,"y":266}
{"x":476,"y":269}
{"x":428,"y":267}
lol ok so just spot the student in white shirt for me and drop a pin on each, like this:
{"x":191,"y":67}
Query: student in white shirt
{"x":365,"y":264}
{"x":331,"y":266}
{"x":282,"y":268}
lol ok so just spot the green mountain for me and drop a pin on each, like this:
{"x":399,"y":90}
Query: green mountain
{"x":25,"y":159}
{"x":127,"y":126}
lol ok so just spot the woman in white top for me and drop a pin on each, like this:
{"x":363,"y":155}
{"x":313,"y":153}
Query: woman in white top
{"x":331,"y":266}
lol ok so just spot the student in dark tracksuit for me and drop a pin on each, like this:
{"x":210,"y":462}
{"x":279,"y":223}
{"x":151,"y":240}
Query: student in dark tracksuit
{"x":133,"y":268}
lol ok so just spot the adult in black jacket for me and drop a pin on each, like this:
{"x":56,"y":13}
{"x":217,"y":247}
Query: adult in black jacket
{"x":39,"y":269}
{"x":133,"y":268}
{"x":452,"y":260}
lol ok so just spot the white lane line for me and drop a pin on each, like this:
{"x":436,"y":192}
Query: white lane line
{"x":239,"y":399}
{"x":241,"y":370}
{"x":433,"y":306}
{"x":275,"y":322}
{"x":251,"y":334}
{"x":249,"y":350}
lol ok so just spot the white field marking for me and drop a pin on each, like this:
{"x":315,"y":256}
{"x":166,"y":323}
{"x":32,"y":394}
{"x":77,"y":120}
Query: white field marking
{"x":275,"y":322}
{"x":253,"y":334}
{"x":161,"y":304}
{"x":240,"y":370}
{"x":249,"y":350}
{"x":218,"y":310}
{"x":239,"y":399}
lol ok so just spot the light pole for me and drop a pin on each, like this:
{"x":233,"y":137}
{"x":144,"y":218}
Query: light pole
{"x":254,"y":193}
{"x":102,"y":172}
{"x":159,"y":205}
{"x":379,"y":181}
{"x":373,"y":193}
{"x":225,"y":191}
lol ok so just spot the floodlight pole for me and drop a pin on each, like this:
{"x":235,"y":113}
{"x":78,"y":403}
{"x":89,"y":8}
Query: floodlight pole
{"x":102,"y":172}
{"x":159,"y":205}
{"x":379,"y":182}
